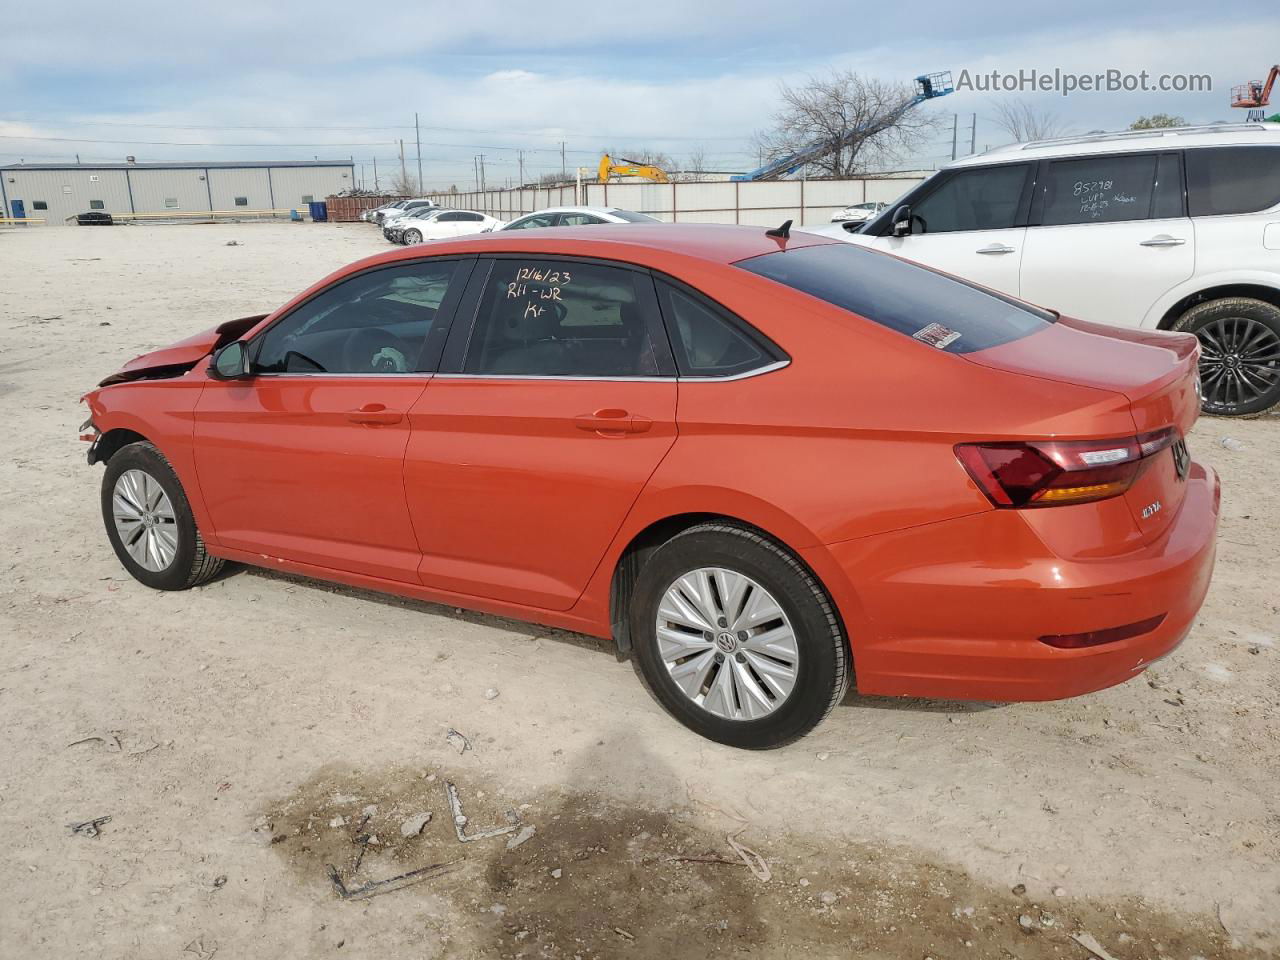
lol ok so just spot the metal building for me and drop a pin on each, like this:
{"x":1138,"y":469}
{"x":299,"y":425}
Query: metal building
{"x":58,"y":191}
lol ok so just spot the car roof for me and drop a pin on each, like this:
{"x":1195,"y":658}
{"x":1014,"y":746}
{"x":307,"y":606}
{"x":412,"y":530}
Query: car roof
{"x":1130,"y":141}
{"x":640,"y":243}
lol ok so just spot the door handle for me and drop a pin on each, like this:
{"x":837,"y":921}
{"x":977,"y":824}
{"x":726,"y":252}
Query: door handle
{"x":1162,"y":240}
{"x":375,"y":414}
{"x":611,"y":422}
{"x":995,"y":248}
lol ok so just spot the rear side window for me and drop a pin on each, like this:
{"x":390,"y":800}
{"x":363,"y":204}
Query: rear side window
{"x":706,"y":341}
{"x":982,"y":199}
{"x":1108,"y":190}
{"x":1225,"y":180}
{"x":540,"y":220}
{"x":556,"y":318}
{"x":937,"y":310}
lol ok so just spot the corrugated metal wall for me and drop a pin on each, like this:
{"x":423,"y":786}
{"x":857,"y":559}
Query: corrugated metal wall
{"x":251,"y":184}
{"x":291,"y":184}
{"x":65,"y":192}
{"x":68,"y":192}
{"x":153,"y":188}
{"x":765,"y":203}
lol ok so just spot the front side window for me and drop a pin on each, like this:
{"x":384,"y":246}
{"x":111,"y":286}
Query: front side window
{"x":1226,"y":180}
{"x":939,"y":311}
{"x":982,"y":199}
{"x":1110,"y":189}
{"x":376,"y":322}
{"x":555,"y":318}
{"x":536,"y":220}
{"x":706,"y":342}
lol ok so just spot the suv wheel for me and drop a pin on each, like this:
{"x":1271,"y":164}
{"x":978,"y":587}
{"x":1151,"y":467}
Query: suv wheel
{"x":149,"y":521}
{"x":736,"y":638}
{"x":1239,"y":354}
{"x":412,"y":236}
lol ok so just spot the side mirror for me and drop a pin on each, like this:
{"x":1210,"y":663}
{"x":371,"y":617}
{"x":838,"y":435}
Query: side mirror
{"x":902,"y":221}
{"x":231,"y":362}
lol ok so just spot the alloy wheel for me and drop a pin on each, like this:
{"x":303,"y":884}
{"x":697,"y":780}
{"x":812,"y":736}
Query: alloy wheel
{"x":727,"y":643}
{"x":1239,"y":360}
{"x":144,"y":520}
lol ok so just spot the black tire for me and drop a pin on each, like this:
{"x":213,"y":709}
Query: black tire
{"x":412,"y":237}
{"x":823,"y":671}
{"x":191,"y":565}
{"x":1239,"y":354}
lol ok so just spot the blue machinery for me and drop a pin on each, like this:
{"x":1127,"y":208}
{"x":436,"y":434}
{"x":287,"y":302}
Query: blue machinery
{"x":927,"y":86}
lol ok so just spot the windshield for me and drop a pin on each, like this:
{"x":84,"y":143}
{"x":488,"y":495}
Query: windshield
{"x":632,"y":217}
{"x":935,"y":309}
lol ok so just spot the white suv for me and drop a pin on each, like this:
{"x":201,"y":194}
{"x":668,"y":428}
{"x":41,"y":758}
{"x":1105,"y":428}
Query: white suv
{"x":1173,"y":229}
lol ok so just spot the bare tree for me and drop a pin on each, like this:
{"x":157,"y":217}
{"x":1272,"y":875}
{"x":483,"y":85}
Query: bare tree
{"x":862,"y":117}
{"x":695,"y":168}
{"x":1024,"y":122}
{"x":1158,"y":121}
{"x":404,"y":185}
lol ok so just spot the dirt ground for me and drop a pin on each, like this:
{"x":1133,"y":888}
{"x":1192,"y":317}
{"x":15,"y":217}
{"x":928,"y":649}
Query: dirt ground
{"x":260,"y":743}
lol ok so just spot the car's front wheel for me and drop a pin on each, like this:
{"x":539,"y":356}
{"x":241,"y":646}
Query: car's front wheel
{"x":149,"y":521}
{"x":412,"y":236}
{"x":736,"y":638}
{"x":1239,"y":354}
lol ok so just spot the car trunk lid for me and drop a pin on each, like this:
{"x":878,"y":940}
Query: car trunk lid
{"x":1155,"y":371}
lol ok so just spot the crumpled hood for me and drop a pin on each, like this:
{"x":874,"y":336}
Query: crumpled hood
{"x":177,"y":358}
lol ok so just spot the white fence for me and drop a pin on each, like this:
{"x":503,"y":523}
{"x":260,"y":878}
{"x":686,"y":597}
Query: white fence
{"x":753,"y":203}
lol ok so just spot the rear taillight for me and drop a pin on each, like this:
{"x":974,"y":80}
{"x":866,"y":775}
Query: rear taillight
{"x":1047,"y":473}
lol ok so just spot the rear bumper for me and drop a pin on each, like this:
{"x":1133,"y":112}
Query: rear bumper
{"x":954,"y":610}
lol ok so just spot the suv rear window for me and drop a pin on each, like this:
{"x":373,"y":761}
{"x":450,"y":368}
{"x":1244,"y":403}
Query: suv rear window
{"x":931,"y":307}
{"x":1224,"y":180}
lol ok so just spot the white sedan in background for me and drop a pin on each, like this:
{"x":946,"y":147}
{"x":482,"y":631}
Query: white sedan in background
{"x":576,"y":217}
{"x":857,"y":212}
{"x":440,"y":225}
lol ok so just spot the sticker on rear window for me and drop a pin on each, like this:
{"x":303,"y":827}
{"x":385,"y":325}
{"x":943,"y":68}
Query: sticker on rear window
{"x":936,"y":335}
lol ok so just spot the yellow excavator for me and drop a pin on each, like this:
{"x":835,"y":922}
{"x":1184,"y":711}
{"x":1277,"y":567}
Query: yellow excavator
{"x":629,"y":168}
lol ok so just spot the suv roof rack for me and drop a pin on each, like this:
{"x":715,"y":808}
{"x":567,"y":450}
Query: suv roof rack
{"x":1144,"y":134}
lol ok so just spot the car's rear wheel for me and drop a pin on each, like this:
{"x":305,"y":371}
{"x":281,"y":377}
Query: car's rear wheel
{"x":736,"y":638}
{"x":412,"y":236}
{"x":149,"y":521}
{"x":1239,"y":354}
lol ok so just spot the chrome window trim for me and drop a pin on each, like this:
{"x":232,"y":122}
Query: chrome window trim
{"x":757,"y":372}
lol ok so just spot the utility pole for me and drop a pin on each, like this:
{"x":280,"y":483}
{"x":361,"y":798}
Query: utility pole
{"x":973,"y":136}
{"x":418,"y":135}
{"x":375,"y":175}
{"x":520,"y":155}
{"x":482,"y":173}
{"x":404,"y":174}
{"x":955,"y":122}
{"x":475,"y":170}
{"x":564,"y":171}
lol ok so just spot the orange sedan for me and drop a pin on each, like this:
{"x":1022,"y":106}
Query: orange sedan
{"x":765,"y":465}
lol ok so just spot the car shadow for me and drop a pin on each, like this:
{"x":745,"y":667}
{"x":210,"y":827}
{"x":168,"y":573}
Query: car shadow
{"x":530,"y":631}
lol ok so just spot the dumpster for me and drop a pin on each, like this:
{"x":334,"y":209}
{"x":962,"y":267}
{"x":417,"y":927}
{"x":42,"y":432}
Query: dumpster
{"x":319,"y":211}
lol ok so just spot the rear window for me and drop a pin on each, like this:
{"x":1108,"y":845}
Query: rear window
{"x":632,"y":217}
{"x":935,"y":309}
{"x":1226,"y":180}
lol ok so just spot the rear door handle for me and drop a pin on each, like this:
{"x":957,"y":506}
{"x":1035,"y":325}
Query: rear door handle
{"x":1162,"y":240}
{"x":995,"y":248}
{"x":611,"y":422}
{"x":375,"y":414}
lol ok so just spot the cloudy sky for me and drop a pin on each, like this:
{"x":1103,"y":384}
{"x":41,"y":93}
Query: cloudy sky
{"x":294,"y":79}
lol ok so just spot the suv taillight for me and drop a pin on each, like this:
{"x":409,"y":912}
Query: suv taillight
{"x":1048,"y":473}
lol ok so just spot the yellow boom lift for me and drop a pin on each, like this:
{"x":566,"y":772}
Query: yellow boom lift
{"x":629,"y":168}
